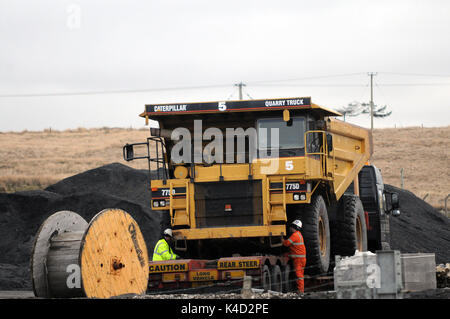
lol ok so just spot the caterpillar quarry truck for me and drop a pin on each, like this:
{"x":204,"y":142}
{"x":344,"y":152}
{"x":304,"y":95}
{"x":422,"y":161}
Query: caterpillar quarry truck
{"x":230,"y":176}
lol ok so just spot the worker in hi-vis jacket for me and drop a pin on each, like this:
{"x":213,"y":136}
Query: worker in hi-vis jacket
{"x":163,"y":249}
{"x":297,"y":252}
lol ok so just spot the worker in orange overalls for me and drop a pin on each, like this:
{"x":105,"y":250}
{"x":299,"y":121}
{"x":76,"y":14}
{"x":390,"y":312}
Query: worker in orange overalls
{"x":297,"y":252}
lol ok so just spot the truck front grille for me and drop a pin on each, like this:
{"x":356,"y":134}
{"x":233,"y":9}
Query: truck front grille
{"x":213,"y":201}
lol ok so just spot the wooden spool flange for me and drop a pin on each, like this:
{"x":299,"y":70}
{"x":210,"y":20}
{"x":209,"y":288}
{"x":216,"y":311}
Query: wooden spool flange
{"x":58,"y":223}
{"x":105,"y":258}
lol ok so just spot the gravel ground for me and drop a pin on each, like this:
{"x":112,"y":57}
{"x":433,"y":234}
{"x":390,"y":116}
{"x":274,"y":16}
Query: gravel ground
{"x":442,"y":293}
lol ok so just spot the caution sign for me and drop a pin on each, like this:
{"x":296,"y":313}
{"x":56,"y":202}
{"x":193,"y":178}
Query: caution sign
{"x":203,"y":275}
{"x":155,"y":268}
{"x":238,"y":264}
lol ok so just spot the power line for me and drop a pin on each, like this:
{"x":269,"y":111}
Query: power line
{"x":265,"y":83}
{"x":310,"y":85}
{"x":124,"y":91}
{"x":230,"y":96}
{"x":205,"y":87}
{"x":416,"y":74}
{"x":364,"y":90}
{"x":350,"y":85}
{"x":306,"y":78}
{"x":382,"y":93}
{"x":414,"y":84}
{"x":113,"y":91}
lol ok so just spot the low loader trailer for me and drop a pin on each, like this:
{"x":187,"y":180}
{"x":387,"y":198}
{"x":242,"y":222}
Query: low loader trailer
{"x":230,"y":176}
{"x":266,"y":273}
{"x":224,"y":274}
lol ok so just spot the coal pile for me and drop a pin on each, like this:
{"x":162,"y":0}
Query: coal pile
{"x":420,"y":228}
{"x":110,"y":186}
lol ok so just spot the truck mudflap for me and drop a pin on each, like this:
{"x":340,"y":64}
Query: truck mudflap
{"x":189,"y":275}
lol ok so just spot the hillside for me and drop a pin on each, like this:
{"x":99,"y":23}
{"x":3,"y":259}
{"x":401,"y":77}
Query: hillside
{"x":35,"y":160}
{"x":424,"y":155}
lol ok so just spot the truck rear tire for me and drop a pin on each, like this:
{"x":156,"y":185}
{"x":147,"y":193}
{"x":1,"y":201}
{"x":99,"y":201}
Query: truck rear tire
{"x":277,"y":279}
{"x":288,"y":279}
{"x":266,"y":279}
{"x":316,"y":234}
{"x":349,"y":229}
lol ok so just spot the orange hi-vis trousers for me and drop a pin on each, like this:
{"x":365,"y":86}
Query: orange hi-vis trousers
{"x":299,"y":267}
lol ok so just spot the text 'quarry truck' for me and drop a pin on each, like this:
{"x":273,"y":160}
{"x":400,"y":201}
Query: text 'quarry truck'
{"x":230,"y":176}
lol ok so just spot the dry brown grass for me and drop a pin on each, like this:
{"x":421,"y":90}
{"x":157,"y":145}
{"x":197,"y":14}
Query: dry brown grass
{"x":424,"y":155}
{"x":34,"y":160}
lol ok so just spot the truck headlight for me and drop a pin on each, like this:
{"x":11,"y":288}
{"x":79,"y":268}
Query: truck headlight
{"x":299,"y":196}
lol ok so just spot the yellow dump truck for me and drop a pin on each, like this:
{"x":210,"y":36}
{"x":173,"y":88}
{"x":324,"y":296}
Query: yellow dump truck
{"x":229,"y":176}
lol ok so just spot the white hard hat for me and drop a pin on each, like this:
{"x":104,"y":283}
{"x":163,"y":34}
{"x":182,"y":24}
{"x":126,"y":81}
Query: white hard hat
{"x":168,"y":232}
{"x":297,"y":223}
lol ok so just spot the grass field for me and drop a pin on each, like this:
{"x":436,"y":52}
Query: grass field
{"x":35,"y":160}
{"x":424,"y":155}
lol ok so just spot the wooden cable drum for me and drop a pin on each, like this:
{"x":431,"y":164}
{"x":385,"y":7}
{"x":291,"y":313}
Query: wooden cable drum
{"x":113,"y":256}
{"x":105,"y":258}
{"x":58,"y":223}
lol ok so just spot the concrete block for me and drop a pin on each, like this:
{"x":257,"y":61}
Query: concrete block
{"x":352,"y":276}
{"x":419,"y":271}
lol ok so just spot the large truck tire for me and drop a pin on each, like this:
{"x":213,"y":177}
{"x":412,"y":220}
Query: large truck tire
{"x":316,"y":234}
{"x":349,"y":229}
{"x":266,"y":279}
{"x":277,"y":279}
{"x":288,"y":278}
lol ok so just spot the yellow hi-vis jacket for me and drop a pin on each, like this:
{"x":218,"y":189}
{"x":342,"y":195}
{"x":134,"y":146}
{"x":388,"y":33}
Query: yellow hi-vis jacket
{"x":163,"y":251}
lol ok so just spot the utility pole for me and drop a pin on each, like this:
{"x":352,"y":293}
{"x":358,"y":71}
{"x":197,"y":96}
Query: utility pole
{"x":240,"y":85}
{"x":371,"y":74}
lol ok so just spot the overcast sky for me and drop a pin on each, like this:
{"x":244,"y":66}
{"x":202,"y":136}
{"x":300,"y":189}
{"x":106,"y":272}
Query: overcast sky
{"x":184,"y":51}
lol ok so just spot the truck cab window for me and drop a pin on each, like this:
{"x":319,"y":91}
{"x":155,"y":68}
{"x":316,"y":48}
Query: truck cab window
{"x":290,"y":141}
